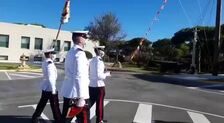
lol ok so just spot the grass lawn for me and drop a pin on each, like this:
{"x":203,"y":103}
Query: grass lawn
{"x":14,"y":66}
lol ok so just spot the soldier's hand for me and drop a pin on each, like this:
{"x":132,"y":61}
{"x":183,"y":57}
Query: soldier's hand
{"x":108,"y":73}
{"x":54,"y":92}
{"x":81,"y":102}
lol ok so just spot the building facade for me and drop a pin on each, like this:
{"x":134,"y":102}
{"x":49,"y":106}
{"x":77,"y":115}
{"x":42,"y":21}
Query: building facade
{"x":32,"y":40}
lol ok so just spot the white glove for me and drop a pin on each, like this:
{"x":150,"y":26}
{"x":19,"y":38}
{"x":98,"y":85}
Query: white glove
{"x":108,"y":73}
{"x":81,"y":102}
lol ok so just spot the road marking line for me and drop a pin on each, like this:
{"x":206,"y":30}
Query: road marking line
{"x":163,"y":105}
{"x":6,"y":73}
{"x":27,"y":76}
{"x":192,"y":88}
{"x":73,"y":120}
{"x":31,"y":73}
{"x":148,"y":103}
{"x":42,"y":114}
{"x":202,"y":90}
{"x":198,"y":118}
{"x":92,"y":111}
{"x":93,"y":108}
{"x":143,"y":114}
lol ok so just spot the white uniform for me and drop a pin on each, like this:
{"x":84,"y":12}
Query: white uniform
{"x":76,"y":81}
{"x":49,"y":76}
{"x":97,"y":74}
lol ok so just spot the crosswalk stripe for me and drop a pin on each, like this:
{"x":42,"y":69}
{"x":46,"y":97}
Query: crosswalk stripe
{"x":40,"y":74}
{"x":46,"y":119}
{"x":92,"y":111}
{"x":143,"y":114}
{"x":93,"y":108}
{"x":73,"y":120}
{"x":27,"y":76}
{"x":198,"y":118}
{"x":6,"y":73}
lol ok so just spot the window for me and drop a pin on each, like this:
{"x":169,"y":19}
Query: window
{"x":67,"y":45}
{"x":25,"y":42}
{"x":56,"y":45}
{"x":3,"y":57}
{"x":4,"y":41}
{"x":37,"y":58}
{"x":38,"y":44}
{"x":57,"y":60}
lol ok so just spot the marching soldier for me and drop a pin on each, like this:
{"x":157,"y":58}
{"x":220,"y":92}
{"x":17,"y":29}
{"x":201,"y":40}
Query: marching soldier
{"x":97,"y":85}
{"x":48,"y":87}
{"x":75,"y":86}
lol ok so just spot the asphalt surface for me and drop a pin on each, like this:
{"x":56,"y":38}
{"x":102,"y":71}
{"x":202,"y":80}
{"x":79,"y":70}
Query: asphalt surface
{"x":153,"y":98}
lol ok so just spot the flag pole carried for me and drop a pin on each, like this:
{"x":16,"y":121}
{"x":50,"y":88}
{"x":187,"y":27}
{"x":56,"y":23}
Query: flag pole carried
{"x":65,"y":16}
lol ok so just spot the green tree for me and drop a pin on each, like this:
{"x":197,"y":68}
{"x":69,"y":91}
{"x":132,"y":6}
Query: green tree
{"x":183,"y":50}
{"x":105,"y":28}
{"x":164,"y":49}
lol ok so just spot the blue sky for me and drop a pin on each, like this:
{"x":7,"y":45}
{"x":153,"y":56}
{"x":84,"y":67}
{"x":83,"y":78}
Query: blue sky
{"x":135,"y":16}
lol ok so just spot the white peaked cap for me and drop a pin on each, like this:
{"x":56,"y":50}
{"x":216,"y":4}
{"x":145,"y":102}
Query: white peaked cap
{"x":99,"y":47}
{"x":80,"y":32}
{"x":49,"y":50}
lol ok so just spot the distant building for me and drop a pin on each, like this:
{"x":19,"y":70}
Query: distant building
{"x":31,"y":40}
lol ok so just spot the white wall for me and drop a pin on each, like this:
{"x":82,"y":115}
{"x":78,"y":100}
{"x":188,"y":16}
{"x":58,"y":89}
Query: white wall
{"x":16,"y":31}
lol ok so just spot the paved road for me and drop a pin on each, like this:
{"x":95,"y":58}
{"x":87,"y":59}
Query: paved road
{"x":19,"y":75}
{"x":129,"y":98}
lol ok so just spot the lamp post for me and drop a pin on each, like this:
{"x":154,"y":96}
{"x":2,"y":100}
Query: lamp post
{"x":194,"y":42}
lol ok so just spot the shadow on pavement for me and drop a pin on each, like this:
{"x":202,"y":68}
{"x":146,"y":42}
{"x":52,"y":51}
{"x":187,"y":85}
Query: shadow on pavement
{"x":181,"y":82}
{"x":17,"y":119}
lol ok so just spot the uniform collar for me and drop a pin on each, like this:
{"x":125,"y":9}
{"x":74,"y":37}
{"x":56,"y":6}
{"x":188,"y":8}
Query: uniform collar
{"x":77,"y":47}
{"x":100,"y":58}
{"x":49,"y":59}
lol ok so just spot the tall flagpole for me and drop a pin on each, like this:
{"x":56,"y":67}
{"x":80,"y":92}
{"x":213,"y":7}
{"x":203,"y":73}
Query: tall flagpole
{"x":64,"y":19}
{"x":59,"y":29}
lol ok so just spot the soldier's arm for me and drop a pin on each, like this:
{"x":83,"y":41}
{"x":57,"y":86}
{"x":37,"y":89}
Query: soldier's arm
{"x":80,"y":76}
{"x":100,"y":70}
{"x":51,"y":76}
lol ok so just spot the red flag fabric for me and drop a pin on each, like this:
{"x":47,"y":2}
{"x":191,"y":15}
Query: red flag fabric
{"x":73,"y":111}
{"x":66,"y":12}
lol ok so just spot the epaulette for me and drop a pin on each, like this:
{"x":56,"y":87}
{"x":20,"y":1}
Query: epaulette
{"x":49,"y":62}
{"x":100,"y":59}
{"x":79,"y":49}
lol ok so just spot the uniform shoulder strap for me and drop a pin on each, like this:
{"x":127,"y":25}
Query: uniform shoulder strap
{"x":79,"y":49}
{"x":49,"y":62}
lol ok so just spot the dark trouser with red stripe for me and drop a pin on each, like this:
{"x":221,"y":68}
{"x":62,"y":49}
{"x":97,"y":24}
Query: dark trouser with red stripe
{"x":45,"y":96}
{"x":97,"y":95}
{"x":82,"y":117}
